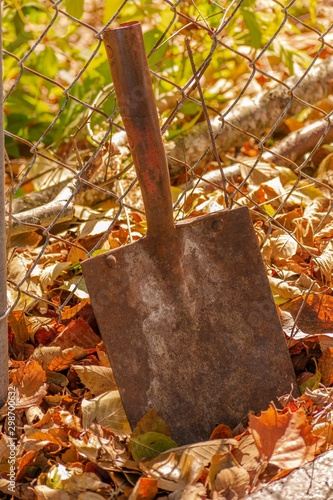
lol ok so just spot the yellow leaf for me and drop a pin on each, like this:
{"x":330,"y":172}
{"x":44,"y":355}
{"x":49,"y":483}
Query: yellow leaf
{"x":110,"y":8}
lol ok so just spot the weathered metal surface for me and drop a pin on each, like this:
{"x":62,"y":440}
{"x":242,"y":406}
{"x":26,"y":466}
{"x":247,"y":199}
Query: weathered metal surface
{"x":186,"y":313}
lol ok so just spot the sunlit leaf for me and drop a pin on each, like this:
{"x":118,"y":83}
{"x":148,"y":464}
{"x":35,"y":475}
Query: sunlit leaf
{"x":233,"y":480}
{"x":145,"y":489}
{"x":51,"y":273}
{"x":284,"y":439}
{"x":177,"y":468}
{"x":55,"y":476}
{"x":98,"y":379}
{"x":106,"y":409}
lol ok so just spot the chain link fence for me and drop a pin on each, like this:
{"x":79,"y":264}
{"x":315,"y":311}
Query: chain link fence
{"x":244,"y":94}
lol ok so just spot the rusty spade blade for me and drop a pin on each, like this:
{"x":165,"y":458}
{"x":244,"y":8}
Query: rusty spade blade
{"x":186,"y":313}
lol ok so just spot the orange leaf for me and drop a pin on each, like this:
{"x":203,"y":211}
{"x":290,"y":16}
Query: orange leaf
{"x":314,"y":314}
{"x":325,"y":366}
{"x":21,"y":326}
{"x":77,"y":333}
{"x":285,"y":440}
{"x":145,"y":489}
{"x":221,"y":431}
{"x":29,"y":378}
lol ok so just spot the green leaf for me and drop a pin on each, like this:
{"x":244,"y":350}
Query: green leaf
{"x":47,"y":62}
{"x":150,"y":445}
{"x":252,"y":25}
{"x":56,"y":475}
{"x":150,"y":38}
{"x":74,"y":8}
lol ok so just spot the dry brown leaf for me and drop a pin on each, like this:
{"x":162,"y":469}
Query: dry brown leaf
{"x":323,"y":264}
{"x":284,"y":439}
{"x":325,"y":366}
{"x":35,"y":439}
{"x":151,"y":422}
{"x":195,"y":491}
{"x":20,"y":325}
{"x":29,"y":378}
{"x":314,"y":313}
{"x":220,"y":462}
{"x":43,"y":492}
{"x":106,"y":409}
{"x":56,"y":359}
{"x":235,"y":480}
{"x":51,"y":272}
{"x":175,"y":469}
{"x":65,"y":420}
{"x":97,"y":379}
{"x":247,"y":454}
{"x":95,"y":445}
{"x":284,"y":289}
{"x":35,"y":399}
{"x":221,"y":431}
{"x":87,"y":481}
{"x":78,"y":333}
{"x":283,"y":244}
{"x":145,"y":489}
{"x":80,"y":309}
{"x":102,"y":355}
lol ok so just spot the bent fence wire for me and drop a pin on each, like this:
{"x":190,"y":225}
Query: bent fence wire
{"x":244,"y":94}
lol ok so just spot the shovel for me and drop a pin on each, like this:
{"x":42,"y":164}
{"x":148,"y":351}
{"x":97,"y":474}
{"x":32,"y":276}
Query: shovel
{"x":186,"y":313}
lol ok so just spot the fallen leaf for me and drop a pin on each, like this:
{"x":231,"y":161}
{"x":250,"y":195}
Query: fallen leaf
{"x":283,"y":244}
{"x":56,"y":359}
{"x":221,"y":431}
{"x":98,"y":379}
{"x":150,"y":445}
{"x":234,"y":481}
{"x":108,"y":410}
{"x":50,"y":273}
{"x":20,"y":325}
{"x":77,"y":333}
{"x":151,"y":422}
{"x":28,"y":378}
{"x":182,"y":466}
{"x":145,"y":489}
{"x":325,"y":365}
{"x":284,"y":439}
{"x":323,"y":264}
{"x":190,"y":492}
{"x":314,"y":312}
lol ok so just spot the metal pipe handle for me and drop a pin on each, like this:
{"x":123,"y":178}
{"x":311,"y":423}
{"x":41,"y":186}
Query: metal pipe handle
{"x":129,"y":68}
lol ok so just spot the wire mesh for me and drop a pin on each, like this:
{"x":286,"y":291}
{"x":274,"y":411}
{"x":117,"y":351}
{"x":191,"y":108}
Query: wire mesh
{"x":244,"y":94}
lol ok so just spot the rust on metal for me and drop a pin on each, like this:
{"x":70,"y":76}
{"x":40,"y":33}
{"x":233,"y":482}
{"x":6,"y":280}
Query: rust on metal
{"x":186,"y":313}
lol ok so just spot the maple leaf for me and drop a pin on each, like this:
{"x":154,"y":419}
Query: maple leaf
{"x":284,"y":439}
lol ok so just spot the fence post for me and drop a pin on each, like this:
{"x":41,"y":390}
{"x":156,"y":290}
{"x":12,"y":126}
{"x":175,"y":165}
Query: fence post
{"x":3,"y":257}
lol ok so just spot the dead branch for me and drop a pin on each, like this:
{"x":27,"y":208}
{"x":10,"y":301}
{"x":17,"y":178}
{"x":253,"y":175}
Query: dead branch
{"x":58,"y":210}
{"x":284,"y":153}
{"x":37,"y":198}
{"x":300,"y":142}
{"x":254,"y":117}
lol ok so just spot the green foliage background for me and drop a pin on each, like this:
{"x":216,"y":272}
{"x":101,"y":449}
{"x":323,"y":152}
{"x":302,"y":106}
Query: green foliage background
{"x":51,"y":70}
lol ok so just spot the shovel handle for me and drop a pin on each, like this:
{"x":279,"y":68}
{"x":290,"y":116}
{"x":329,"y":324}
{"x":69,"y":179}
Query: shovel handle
{"x":132,"y":82}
